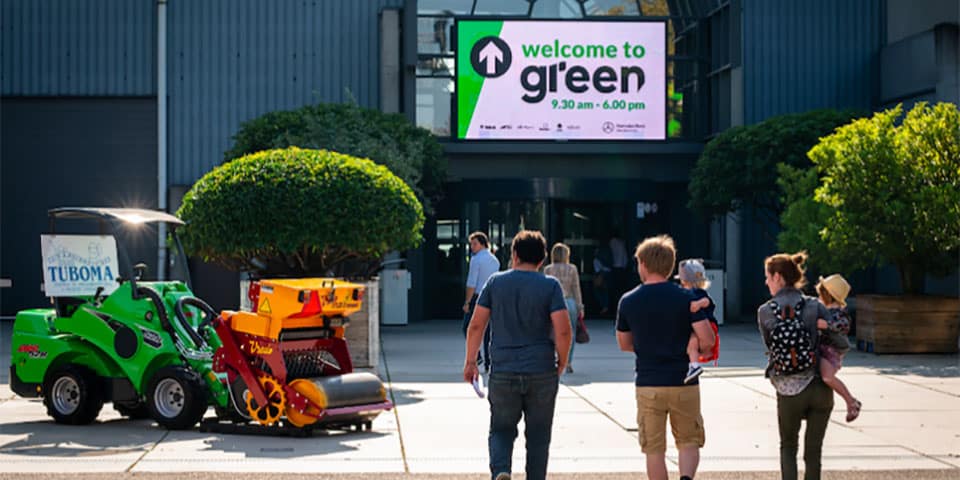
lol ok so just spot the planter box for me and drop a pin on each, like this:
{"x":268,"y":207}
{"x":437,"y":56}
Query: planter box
{"x":907,"y":324}
{"x":363,"y":333}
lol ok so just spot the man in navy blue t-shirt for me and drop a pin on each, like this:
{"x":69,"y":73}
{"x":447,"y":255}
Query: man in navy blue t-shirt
{"x":654,"y":322}
{"x":530,"y":338}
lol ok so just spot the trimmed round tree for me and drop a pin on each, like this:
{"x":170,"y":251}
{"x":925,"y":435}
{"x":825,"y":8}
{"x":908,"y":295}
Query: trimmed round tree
{"x":389,"y":139}
{"x":739,"y":167}
{"x":298,"y":212}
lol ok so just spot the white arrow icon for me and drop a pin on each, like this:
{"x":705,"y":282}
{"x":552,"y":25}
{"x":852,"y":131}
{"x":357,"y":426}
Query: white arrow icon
{"x":491,"y":54}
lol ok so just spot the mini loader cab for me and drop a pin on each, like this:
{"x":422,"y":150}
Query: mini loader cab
{"x":156,"y":351}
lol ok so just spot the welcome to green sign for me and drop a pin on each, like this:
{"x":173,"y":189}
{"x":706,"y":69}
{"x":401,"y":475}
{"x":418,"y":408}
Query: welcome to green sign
{"x":588,"y":80}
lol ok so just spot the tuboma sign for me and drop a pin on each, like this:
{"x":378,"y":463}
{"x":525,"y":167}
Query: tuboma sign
{"x":587,"y":80}
{"x":76,"y":265}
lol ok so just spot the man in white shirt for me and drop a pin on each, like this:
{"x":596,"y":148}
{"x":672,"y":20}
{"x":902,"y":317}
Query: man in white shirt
{"x":482,"y":265}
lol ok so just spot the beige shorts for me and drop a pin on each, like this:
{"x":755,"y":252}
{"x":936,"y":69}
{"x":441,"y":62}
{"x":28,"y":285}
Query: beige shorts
{"x":681,"y":404}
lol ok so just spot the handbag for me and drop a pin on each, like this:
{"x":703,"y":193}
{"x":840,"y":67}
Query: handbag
{"x":583,"y":336}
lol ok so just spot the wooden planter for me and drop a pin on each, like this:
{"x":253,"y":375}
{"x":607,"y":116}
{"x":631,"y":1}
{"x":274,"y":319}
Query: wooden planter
{"x":907,"y":324}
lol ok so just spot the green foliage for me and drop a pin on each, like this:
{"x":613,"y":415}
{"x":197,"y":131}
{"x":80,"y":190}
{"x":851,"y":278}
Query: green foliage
{"x":300,"y":212}
{"x":803,"y":217}
{"x":412,"y":153}
{"x":738,"y":168}
{"x":893,"y":192}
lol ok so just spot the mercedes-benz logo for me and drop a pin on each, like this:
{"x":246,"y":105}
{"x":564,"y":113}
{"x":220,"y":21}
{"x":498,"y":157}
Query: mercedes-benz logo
{"x":608,"y":127}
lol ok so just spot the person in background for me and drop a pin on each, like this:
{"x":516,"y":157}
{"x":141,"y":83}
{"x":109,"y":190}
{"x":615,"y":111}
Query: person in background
{"x":482,"y":265}
{"x":601,"y":281}
{"x":564,"y":271}
{"x":619,"y":261}
{"x":530,"y":340}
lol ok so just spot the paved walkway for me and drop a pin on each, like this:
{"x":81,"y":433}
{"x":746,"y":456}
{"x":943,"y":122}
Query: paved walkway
{"x":910,"y":423}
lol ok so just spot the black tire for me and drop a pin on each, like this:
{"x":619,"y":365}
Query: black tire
{"x":73,"y":395}
{"x":176,"y":398}
{"x":133,"y":410}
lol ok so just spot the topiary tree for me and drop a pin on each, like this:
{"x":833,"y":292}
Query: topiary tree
{"x":300,"y":212}
{"x":411,"y":153}
{"x":738,"y":168}
{"x":887,"y":193}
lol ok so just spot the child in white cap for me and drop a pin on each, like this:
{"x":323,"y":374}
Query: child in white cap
{"x":833,"y":292}
{"x":693,"y":276}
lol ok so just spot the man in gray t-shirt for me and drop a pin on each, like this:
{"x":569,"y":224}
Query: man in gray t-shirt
{"x":530,"y":338}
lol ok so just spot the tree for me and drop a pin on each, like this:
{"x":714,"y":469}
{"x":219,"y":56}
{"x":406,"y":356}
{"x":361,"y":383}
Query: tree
{"x":803,"y":217}
{"x":411,"y":153}
{"x":738,"y":168}
{"x":891,"y":194}
{"x":300,"y":212}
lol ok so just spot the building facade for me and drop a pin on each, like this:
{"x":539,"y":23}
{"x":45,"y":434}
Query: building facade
{"x":128,"y":102}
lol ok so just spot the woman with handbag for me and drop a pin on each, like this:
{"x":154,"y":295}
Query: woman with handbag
{"x":561,"y":269}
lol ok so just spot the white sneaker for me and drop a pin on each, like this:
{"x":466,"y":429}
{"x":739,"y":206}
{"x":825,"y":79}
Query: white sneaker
{"x":692,"y":374}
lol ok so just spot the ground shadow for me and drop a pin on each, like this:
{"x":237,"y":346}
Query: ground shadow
{"x":48,"y":439}
{"x":322,"y":442}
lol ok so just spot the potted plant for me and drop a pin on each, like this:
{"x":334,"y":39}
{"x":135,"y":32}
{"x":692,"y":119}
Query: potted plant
{"x":887,"y":192}
{"x":302,"y":213}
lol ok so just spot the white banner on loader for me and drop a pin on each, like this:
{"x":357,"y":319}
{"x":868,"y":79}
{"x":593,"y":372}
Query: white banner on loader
{"x":77,"y":265}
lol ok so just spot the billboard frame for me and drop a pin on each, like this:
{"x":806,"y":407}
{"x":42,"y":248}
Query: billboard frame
{"x":454,"y":108}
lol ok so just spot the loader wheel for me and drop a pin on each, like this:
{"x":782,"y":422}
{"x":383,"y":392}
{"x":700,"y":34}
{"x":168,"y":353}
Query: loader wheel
{"x":72,"y":395}
{"x":133,"y":410}
{"x":176,"y":398}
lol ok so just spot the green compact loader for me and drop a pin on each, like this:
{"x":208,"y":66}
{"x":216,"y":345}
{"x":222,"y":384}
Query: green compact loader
{"x":110,"y":337}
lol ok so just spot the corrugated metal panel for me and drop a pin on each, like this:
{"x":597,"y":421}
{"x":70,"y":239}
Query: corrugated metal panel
{"x":232,"y":60}
{"x":812,"y":54}
{"x":74,"y":48}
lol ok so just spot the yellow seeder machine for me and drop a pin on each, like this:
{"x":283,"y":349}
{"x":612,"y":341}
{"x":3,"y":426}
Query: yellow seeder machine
{"x":287,"y":364}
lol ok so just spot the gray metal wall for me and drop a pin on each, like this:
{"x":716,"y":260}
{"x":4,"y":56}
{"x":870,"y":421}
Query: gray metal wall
{"x":799,"y":56}
{"x":77,"y":48}
{"x":232,"y":60}
{"x":70,"y":152}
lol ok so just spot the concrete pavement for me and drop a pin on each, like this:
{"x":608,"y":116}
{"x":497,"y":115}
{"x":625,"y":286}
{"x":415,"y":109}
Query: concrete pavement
{"x":910,"y":424}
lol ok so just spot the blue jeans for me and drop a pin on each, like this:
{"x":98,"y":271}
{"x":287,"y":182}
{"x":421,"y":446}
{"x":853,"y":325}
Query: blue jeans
{"x":533,"y":396}
{"x":574,"y":314}
{"x":484,"y":353}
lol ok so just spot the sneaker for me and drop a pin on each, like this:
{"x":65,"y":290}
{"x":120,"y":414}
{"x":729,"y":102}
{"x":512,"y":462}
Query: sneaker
{"x":693,"y":373}
{"x":502,"y":476}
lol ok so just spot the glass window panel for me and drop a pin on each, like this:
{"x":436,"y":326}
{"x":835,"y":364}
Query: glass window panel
{"x":433,"y":104}
{"x":502,"y":7}
{"x":434,"y":35}
{"x":444,"y":6}
{"x":611,"y":7}
{"x":435,"y":66}
{"x":557,"y":9}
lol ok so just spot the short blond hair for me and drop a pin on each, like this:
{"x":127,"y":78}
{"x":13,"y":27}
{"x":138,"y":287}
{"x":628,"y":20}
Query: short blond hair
{"x":560,"y":253}
{"x":658,"y":254}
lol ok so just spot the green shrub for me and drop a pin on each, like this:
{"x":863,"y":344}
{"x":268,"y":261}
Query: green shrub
{"x":738,"y":168}
{"x":891,"y":194}
{"x":300,"y":212}
{"x":411,"y":153}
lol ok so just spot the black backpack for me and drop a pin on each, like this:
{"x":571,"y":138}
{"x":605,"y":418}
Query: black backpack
{"x":791,"y":346}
